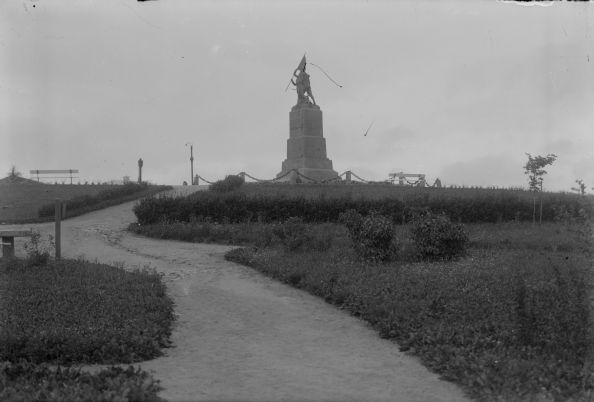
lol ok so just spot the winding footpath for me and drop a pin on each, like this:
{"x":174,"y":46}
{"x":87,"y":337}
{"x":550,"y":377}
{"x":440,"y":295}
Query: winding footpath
{"x":241,"y":336}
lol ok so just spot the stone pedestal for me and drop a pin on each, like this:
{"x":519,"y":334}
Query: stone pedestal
{"x":306,"y":146}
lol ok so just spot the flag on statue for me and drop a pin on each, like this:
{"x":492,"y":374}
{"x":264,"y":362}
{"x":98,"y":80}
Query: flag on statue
{"x":302,"y":63}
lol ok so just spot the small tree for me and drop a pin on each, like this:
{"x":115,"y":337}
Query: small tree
{"x":581,"y":188}
{"x":14,"y":172}
{"x":534,"y":168}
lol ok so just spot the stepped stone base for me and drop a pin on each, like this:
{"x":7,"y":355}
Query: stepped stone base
{"x":306,"y":146}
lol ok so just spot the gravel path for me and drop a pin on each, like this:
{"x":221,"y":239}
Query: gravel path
{"x":243,"y":337}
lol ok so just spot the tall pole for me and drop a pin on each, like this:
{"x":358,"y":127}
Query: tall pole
{"x":140,"y":163}
{"x":58,"y":232}
{"x":192,"y":164}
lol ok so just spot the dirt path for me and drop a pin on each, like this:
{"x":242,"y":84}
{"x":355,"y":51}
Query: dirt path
{"x":241,"y":336}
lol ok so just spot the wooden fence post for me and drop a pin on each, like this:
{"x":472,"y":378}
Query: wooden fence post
{"x":58,"y":218}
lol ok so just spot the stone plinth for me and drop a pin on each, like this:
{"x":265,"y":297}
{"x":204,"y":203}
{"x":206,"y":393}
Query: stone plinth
{"x":306,"y":146}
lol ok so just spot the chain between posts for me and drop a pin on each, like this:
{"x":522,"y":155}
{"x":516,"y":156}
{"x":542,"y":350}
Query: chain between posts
{"x":295,"y":171}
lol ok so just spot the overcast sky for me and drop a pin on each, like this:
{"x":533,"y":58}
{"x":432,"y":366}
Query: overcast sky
{"x":456,"y":90}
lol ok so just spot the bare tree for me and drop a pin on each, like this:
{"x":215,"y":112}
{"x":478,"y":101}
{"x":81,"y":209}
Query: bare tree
{"x":534,"y":168}
{"x":581,"y":188}
{"x":14,"y":172}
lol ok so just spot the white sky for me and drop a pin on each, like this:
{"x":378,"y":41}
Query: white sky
{"x":456,"y":90}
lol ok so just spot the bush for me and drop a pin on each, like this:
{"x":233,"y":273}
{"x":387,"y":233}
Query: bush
{"x":28,"y":382}
{"x":229,"y":183}
{"x":372,"y":236}
{"x":435,"y":236}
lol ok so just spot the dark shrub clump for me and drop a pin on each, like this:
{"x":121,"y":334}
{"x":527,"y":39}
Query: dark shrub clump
{"x":372,"y":236}
{"x":436,"y":236}
{"x":229,"y":183}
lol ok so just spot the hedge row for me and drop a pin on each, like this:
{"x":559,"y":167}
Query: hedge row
{"x":103,"y":199}
{"x":237,"y":208}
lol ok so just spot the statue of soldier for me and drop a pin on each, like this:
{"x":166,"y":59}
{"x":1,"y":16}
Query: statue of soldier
{"x":302,"y":84}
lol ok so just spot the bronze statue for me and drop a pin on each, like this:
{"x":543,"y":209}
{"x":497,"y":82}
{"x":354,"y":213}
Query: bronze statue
{"x":302,"y":84}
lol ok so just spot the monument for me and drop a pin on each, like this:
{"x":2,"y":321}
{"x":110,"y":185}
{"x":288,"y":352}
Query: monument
{"x":306,"y":146}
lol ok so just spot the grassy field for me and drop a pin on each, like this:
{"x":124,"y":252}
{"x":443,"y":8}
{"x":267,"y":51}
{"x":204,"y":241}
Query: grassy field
{"x":20,"y":203}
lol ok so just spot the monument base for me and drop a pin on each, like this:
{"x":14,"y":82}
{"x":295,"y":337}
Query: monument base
{"x":311,"y":175}
{"x":306,"y":147}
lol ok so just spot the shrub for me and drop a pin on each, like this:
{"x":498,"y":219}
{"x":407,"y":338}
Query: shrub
{"x":229,"y":183}
{"x":436,"y":236}
{"x":372,"y":236}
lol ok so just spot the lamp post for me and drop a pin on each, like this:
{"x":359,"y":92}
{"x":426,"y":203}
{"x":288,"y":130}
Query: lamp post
{"x":140,"y":163}
{"x":191,"y":162}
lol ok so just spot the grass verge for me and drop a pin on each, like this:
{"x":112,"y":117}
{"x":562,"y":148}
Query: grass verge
{"x":27,"y":382}
{"x":72,"y":311}
{"x":76,"y":312}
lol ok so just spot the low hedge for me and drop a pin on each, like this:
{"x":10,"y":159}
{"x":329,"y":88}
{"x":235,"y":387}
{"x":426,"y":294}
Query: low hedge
{"x":113,"y":196}
{"x":235,"y":207}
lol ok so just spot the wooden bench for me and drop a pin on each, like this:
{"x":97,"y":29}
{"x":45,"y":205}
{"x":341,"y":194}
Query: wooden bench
{"x":8,"y":240}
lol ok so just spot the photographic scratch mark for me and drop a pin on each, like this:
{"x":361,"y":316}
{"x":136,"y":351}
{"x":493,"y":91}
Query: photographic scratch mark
{"x":368,"y":128}
{"x":139,"y":16}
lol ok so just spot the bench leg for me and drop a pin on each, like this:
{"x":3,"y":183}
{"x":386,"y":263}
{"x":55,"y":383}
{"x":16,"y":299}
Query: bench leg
{"x":8,"y":247}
